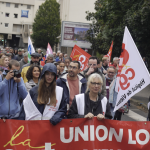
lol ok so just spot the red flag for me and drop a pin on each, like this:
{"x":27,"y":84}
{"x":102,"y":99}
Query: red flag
{"x":110,"y":51}
{"x":81,"y":56}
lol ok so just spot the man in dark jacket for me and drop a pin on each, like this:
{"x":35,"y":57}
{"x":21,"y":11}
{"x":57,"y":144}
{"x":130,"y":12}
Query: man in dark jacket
{"x":72,"y":82}
{"x":19,"y":56}
{"x":12,"y":53}
{"x":93,"y":68}
{"x":24,"y":60}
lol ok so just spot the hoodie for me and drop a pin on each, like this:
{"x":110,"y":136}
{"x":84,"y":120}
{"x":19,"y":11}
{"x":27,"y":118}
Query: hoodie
{"x":61,"y":112}
{"x":10,"y":92}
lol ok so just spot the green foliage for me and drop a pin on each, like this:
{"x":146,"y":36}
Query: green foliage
{"x":47,"y":25}
{"x":110,"y":19}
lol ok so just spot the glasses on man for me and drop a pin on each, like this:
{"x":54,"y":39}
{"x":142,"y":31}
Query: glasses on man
{"x":72,"y":67}
{"x":94,"y":65}
{"x":94,"y":83}
{"x":111,"y":72}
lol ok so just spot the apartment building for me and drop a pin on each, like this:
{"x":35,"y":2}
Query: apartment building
{"x":16,"y":19}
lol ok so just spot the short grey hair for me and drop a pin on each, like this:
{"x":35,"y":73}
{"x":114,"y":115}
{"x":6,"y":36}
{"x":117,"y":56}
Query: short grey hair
{"x":90,"y":79}
{"x":50,"y":55}
{"x":115,"y":58}
{"x":25,"y":54}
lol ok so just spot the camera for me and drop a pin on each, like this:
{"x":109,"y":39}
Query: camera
{"x":16,"y":73}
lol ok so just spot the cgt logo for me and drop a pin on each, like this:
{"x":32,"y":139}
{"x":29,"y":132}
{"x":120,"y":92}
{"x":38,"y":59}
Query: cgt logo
{"x":125,"y":78}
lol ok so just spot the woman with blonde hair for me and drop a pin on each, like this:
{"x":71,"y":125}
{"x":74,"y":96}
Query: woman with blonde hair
{"x":4,"y":61}
{"x":92,"y":103}
{"x":45,"y":101}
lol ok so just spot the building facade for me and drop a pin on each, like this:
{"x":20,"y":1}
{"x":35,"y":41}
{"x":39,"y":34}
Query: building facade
{"x":75,"y":11}
{"x":16,"y":19}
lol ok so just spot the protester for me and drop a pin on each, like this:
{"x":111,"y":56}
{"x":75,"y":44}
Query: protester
{"x":67,"y":62}
{"x":24,"y":60}
{"x":65,"y":55}
{"x":48,"y":101}
{"x":11,"y":89}
{"x":58,"y":69}
{"x":109,"y":78}
{"x":12,"y":54}
{"x":16,"y":52}
{"x":40,"y":52}
{"x":9,"y":55}
{"x":72,"y":82}
{"x":23,"y":51}
{"x":92,"y":103}
{"x":50,"y":58}
{"x":115,"y":62}
{"x":99,"y":64}
{"x":20,"y":55}
{"x":61,"y":67}
{"x":93,"y":68}
{"x":105,"y":63}
{"x":60,"y":58}
{"x":4,"y":61}
{"x":57,"y":55}
{"x":54,"y":55}
{"x":34,"y":60}
{"x":33,"y":75}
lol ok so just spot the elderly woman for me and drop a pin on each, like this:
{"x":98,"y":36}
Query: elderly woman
{"x":92,"y":103}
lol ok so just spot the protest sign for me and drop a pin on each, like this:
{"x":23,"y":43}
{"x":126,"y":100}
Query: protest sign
{"x":74,"y":134}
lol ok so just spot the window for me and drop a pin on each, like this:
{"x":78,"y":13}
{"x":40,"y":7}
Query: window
{"x":28,"y":6}
{"x":16,"y":5}
{"x":21,"y":4}
{"x":6,"y":14}
{"x":6,"y":24}
{"x":7,"y":4}
{"x":15,"y":15}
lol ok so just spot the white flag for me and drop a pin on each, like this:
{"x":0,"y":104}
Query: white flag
{"x":133,"y":75}
{"x":30,"y":49}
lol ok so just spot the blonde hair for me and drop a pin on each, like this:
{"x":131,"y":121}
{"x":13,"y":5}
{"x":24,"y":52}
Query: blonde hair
{"x":2,"y":60}
{"x":104,"y":59}
{"x":91,"y":78}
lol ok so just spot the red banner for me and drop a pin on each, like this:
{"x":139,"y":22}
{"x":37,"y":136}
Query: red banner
{"x":75,"y":134}
{"x":81,"y":56}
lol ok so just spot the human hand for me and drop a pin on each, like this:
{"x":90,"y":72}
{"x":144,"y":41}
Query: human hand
{"x":17,"y":80}
{"x":100,"y":117}
{"x":91,"y":70}
{"x":89,"y":116}
{"x":9,"y":75}
{"x":104,"y":71}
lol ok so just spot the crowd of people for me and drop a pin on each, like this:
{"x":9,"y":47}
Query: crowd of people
{"x":59,"y":89}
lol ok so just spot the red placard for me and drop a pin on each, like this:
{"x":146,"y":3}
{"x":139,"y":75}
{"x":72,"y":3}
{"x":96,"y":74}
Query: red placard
{"x":75,"y":134}
{"x":81,"y":56}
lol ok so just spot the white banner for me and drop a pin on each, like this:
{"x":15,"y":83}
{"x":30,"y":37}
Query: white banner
{"x":133,"y":75}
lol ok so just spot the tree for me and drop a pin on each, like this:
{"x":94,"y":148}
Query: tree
{"x":110,"y":19}
{"x":47,"y":25}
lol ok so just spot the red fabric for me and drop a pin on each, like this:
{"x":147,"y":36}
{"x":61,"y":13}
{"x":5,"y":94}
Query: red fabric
{"x":97,"y":135}
{"x":81,"y":56}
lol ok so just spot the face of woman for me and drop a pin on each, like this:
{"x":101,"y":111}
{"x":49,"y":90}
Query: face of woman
{"x":110,"y":72}
{"x":49,"y":77}
{"x":95,"y":86}
{"x":36,"y":72}
{"x":6,"y":62}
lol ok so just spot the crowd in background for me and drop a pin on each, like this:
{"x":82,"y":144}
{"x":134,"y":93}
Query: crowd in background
{"x":57,"y":90}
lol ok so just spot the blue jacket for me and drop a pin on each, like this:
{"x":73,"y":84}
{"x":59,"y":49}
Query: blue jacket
{"x":61,"y":113}
{"x":10,"y":92}
{"x":62,"y":82}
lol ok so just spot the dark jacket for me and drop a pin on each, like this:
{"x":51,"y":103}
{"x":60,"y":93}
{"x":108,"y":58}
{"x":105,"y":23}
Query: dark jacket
{"x":73,"y":111}
{"x":61,"y":113}
{"x":103,"y":78}
{"x":19,"y":57}
{"x":62,"y":82}
{"x":13,"y":56}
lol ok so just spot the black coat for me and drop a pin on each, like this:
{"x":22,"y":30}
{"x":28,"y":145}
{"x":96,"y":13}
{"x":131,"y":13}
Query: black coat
{"x":73,"y":111}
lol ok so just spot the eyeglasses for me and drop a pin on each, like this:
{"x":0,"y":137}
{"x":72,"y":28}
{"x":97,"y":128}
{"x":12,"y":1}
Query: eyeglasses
{"x":94,"y":83}
{"x":94,"y":65}
{"x":72,"y":67}
{"x":111,"y":72}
